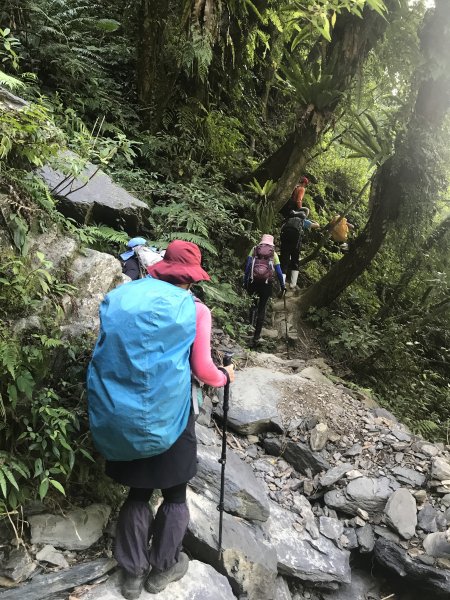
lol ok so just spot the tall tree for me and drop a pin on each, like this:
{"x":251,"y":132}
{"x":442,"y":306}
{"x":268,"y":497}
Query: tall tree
{"x":412,"y":174}
{"x":333,"y":67}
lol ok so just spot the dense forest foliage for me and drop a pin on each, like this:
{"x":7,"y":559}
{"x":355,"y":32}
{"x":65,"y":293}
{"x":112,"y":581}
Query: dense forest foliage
{"x":210,"y":111}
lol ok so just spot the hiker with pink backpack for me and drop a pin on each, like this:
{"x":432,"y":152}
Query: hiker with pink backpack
{"x":261,"y":264}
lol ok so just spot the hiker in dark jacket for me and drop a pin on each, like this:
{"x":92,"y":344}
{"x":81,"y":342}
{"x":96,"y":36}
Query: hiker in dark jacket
{"x":290,"y":242}
{"x":155,"y":567}
{"x":261,"y":264}
{"x":129,"y":259}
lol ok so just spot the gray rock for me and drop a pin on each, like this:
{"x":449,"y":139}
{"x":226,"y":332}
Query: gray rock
{"x":429,"y":449}
{"x":255,"y":395}
{"x":244,"y":493}
{"x":334,"y":474}
{"x":248,"y":561}
{"x":401,"y":435}
{"x":401,"y":513}
{"x":385,"y":414}
{"x":426,"y":518}
{"x":331,"y":528}
{"x":206,"y":436}
{"x":366,"y":538}
{"x":437,"y":545}
{"x":386,"y":533}
{"x":282,"y":591}
{"x":363,"y":586}
{"x":435,"y":581}
{"x":50,"y":555}
{"x":350,"y":534}
{"x":440,"y":469}
{"x":77,"y":530}
{"x":299,"y":455}
{"x":59,"y":249}
{"x":319,"y":437}
{"x":409,"y":476}
{"x":367,"y":493}
{"x":301,"y":556}
{"x":446,"y":500}
{"x":95,"y":198}
{"x":199,"y":583}
{"x":94,"y":274}
{"x":315,"y":375}
{"x":19,"y":565}
{"x":354,"y":450}
{"x":204,"y":417}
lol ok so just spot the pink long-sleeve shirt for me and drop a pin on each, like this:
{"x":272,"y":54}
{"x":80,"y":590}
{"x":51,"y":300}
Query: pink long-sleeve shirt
{"x":201,"y":362}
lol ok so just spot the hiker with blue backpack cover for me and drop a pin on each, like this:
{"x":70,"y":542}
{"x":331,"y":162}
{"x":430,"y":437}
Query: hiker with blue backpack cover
{"x":153,"y":334}
{"x":261,"y":264}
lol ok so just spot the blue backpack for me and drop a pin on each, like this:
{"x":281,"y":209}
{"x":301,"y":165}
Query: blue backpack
{"x":139,"y":379}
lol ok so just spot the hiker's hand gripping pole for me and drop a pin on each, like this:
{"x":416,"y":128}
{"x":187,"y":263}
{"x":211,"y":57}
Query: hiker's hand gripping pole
{"x":223,"y":458}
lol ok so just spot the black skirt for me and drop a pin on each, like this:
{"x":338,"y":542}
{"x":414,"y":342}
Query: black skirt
{"x":176,"y":465}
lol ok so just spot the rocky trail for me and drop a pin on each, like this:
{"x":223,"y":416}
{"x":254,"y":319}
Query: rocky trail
{"x":316,"y":480}
{"x":327,"y":495}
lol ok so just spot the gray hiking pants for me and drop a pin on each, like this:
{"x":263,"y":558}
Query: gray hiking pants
{"x":136,"y":525}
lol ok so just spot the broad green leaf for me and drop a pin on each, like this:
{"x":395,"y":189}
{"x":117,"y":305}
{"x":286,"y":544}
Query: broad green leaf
{"x":58,"y":486}
{"x":108,"y":25}
{"x":43,"y":488}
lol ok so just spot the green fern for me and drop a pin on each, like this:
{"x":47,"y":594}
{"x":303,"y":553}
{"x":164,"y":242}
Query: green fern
{"x":196,"y":239}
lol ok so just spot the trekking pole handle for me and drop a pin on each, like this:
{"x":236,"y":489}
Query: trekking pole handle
{"x":227,"y":359}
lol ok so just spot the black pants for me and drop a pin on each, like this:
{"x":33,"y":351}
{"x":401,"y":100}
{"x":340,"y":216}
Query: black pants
{"x":261,"y":293}
{"x":136,"y":525}
{"x":290,"y":241}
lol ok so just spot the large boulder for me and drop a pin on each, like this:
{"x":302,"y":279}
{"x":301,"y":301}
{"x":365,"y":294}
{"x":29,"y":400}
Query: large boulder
{"x":255,"y":395}
{"x":247,"y":560}
{"x":75,"y":530}
{"x":314,"y":559}
{"x":201,"y":582}
{"x":245,"y":495}
{"x":94,"y":274}
{"x":93,"y":197}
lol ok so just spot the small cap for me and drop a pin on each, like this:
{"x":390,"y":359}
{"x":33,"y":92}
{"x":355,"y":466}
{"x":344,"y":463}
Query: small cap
{"x":304,"y":180}
{"x":267,"y":239}
{"x":137,"y":241}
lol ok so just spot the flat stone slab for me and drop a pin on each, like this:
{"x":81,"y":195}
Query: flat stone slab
{"x":401,"y":513}
{"x":248,"y":560}
{"x":77,"y":530}
{"x":435,"y":581}
{"x":201,"y":582}
{"x":245,"y":495}
{"x":93,"y":197}
{"x":300,"y":555}
{"x":298,"y":454}
{"x":48,"y":584}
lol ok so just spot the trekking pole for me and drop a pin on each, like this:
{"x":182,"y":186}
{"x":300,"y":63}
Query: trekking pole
{"x":223,"y":458}
{"x":286,"y":325}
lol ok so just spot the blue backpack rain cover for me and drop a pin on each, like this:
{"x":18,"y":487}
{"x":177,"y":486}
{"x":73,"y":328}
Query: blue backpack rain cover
{"x":139,"y":379}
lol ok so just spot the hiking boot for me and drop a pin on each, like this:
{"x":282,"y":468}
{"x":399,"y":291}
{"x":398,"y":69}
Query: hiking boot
{"x":132,"y":585}
{"x":157,"y":581}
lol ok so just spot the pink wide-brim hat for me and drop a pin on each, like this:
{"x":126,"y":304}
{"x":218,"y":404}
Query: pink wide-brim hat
{"x":267,"y":239}
{"x":181,"y":264}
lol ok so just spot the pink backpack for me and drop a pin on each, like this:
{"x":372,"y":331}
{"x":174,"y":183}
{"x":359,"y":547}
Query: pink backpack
{"x":262,"y":265}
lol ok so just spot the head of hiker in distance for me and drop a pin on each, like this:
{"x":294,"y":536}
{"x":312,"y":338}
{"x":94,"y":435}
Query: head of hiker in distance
{"x":154,"y":336}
